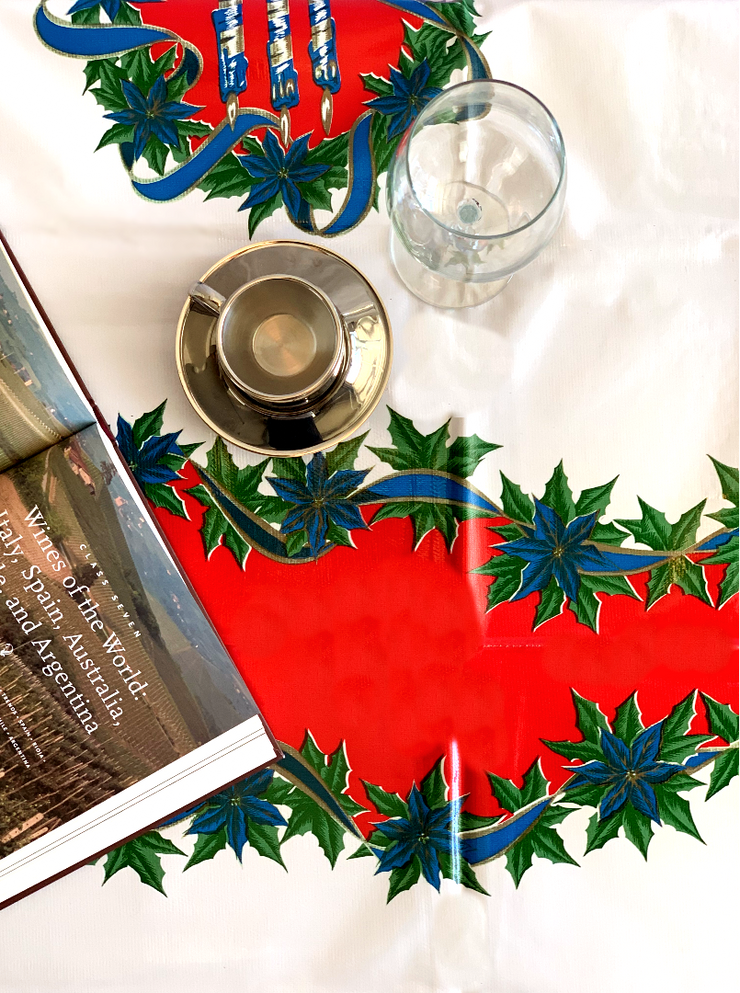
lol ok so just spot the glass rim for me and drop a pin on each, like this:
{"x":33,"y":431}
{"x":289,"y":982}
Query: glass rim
{"x":416,"y":126}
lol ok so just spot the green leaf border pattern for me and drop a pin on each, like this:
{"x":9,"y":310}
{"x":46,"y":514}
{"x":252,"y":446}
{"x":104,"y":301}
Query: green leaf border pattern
{"x":429,"y":485}
{"x":311,"y":789}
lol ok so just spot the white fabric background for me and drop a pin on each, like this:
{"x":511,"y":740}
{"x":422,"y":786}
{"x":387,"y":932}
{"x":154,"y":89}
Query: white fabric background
{"x":615,"y":350}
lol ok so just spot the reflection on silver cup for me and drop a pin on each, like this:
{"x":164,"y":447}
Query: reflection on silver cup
{"x":280,"y":342}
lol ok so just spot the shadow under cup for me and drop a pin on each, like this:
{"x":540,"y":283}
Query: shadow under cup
{"x":280,"y":343}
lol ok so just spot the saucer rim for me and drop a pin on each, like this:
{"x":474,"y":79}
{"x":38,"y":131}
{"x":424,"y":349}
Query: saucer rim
{"x":362,"y":415}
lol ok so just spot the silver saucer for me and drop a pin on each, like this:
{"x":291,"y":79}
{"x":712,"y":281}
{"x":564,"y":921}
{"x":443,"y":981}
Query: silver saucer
{"x":337,"y":415}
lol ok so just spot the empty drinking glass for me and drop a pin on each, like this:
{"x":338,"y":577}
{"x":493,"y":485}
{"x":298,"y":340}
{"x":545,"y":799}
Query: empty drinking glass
{"x":475,"y":192}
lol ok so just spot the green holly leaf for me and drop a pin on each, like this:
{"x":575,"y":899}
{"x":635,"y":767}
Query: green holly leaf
{"x":558,"y":495}
{"x":608,"y":534}
{"x":459,"y":14}
{"x":207,"y":846}
{"x":728,"y":517}
{"x":508,"y":795}
{"x":434,"y":785}
{"x":155,"y":153}
{"x":471,"y":822}
{"x":728,"y":478}
{"x":236,"y":545}
{"x":261,"y":211}
{"x":546,"y":842}
{"x":723,"y":721}
{"x":627,"y":722}
{"x":144,"y":72}
{"x":116,"y":135}
{"x":659,"y":584}
{"x":403,"y":878}
{"x":307,"y":816}
{"x":388,"y":804}
{"x":414,"y":450}
{"x":551,"y":603}
{"x":596,"y":499}
{"x":339,"y":536}
{"x":294,"y":542}
{"x":541,"y":840}
{"x":376,"y":84}
{"x":652,"y":529}
{"x":345,"y":454}
{"x":725,"y":769}
{"x":278,"y":791}
{"x":675,"y":812}
{"x":90,"y":15}
{"x":509,"y":532}
{"x":638,"y":828}
{"x":243,"y":484}
{"x":681,"y":572}
{"x":588,"y":606}
{"x":507,"y":570}
{"x":148,"y":424}
{"x":589,"y":719}
{"x":535,"y":785}
{"x":142,"y":855}
{"x":316,"y":195}
{"x":109,"y":93}
{"x":590,"y":722}
{"x":164,"y":496}
{"x":676,"y":743}
{"x":383,"y":149}
{"x":587,"y":795}
{"x":263,"y":838}
{"x":466,"y":453}
{"x":460,"y":871}
{"x":294,"y":468}
{"x":430,"y":43}
{"x":515,"y":503}
{"x":127,"y":16}
{"x":228,"y":178}
{"x":600,"y":831}
{"x":312,"y":753}
{"x":726,"y":554}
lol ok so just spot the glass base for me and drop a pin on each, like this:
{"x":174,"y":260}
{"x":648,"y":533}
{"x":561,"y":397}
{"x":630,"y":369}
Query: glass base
{"x":436,"y":289}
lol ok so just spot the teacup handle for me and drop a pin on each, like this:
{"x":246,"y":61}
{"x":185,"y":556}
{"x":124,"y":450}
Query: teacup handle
{"x":208,"y":298}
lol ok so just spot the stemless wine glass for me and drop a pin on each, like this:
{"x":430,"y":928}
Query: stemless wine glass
{"x":475,"y":192}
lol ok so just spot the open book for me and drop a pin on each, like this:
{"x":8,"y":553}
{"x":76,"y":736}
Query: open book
{"x":119,"y":705}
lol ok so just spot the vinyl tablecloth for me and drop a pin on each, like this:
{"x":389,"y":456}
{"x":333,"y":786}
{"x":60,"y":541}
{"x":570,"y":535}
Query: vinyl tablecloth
{"x":432,"y":686}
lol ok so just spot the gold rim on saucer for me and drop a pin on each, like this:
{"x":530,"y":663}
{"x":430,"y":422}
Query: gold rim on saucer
{"x":311,"y":425}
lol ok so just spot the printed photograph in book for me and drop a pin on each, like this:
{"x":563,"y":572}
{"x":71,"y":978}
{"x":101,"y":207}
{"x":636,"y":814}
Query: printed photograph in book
{"x":109,"y":670}
{"x":39,"y":401}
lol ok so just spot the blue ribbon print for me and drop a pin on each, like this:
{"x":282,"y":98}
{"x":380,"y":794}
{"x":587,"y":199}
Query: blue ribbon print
{"x":100,"y":41}
{"x":95,"y":41}
{"x":498,"y":838}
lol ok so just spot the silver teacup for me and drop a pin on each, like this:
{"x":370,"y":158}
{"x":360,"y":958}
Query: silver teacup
{"x":281,"y":344}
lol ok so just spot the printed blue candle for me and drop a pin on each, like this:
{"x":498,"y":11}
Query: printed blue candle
{"x":323,"y":52}
{"x":232,"y":62}
{"x":283,"y":77}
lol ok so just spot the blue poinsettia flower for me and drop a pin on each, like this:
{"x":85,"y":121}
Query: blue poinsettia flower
{"x":323,"y":500}
{"x":235,"y":807}
{"x":629,"y":771}
{"x":552,"y":548}
{"x":111,"y":7}
{"x":279,"y":172}
{"x":424,"y":834}
{"x":152,"y":114}
{"x":145,"y":462}
{"x":408,"y":97}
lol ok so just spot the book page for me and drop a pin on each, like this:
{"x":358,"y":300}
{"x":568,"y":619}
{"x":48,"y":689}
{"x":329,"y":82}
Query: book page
{"x":109,"y":669}
{"x":40,"y":401}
